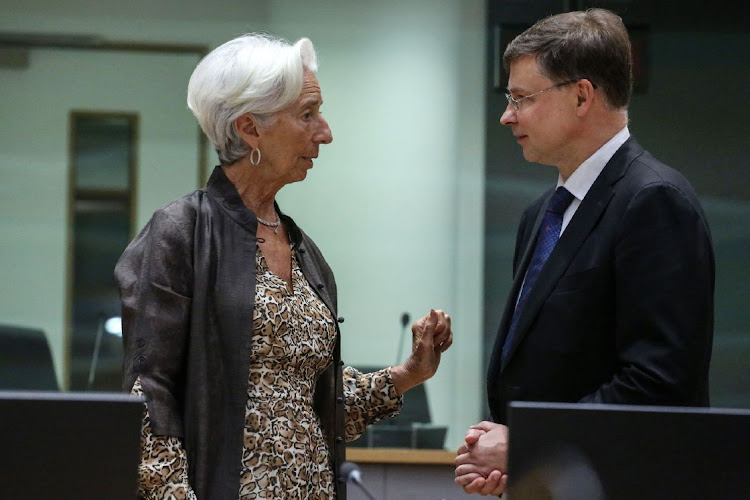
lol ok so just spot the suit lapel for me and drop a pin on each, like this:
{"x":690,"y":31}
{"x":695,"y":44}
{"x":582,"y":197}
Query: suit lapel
{"x":520,"y":274}
{"x":579,"y":228}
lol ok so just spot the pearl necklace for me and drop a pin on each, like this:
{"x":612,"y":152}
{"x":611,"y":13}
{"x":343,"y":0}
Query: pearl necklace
{"x":274,"y":225}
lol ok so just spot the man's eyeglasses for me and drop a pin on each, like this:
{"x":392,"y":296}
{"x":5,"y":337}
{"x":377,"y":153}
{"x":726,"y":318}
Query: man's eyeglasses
{"x":516,"y":103}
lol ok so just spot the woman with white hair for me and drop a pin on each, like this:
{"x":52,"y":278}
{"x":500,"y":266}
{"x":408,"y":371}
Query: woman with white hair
{"x":229,"y":308}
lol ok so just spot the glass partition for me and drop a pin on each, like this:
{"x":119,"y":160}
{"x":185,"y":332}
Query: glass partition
{"x":103,"y":165}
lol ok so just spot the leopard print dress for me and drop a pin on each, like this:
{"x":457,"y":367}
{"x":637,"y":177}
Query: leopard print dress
{"x":285,"y":454}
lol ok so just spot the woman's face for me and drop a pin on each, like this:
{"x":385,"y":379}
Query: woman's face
{"x":289,"y":145}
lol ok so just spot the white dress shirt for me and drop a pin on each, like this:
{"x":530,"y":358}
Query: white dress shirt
{"x":581,"y":180}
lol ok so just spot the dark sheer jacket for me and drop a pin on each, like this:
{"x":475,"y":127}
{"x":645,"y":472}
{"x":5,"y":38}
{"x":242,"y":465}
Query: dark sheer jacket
{"x":187,"y":285}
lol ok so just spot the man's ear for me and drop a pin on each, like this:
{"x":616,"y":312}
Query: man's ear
{"x":585,"y":94}
{"x":247,"y":129}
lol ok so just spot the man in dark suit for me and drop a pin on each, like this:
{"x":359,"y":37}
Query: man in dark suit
{"x":612,"y":296}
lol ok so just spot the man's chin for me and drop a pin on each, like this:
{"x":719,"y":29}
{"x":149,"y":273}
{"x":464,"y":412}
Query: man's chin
{"x":535,"y":158}
{"x":530,"y":157}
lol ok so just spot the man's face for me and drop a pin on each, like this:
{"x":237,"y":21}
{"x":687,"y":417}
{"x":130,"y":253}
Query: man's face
{"x":545,"y":123}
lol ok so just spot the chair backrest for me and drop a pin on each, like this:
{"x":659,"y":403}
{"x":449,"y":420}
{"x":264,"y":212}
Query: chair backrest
{"x":25,"y":360}
{"x":416,"y":409}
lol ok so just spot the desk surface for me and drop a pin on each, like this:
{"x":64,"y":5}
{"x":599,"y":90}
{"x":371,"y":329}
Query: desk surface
{"x":400,"y":456}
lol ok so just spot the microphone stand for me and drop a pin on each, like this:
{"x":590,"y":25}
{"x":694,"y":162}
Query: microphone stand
{"x":97,"y":348}
{"x":351,"y":472}
{"x":364,"y":490}
{"x":404,"y":322}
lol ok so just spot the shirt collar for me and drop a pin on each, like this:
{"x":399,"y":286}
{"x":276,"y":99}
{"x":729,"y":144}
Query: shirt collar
{"x":581,"y":180}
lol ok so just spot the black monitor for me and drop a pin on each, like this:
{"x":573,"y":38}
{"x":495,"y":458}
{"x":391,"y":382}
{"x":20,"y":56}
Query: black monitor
{"x":560,"y":451}
{"x":69,"y":445}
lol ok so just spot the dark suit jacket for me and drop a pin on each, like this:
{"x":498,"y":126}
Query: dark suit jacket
{"x":622,"y":311}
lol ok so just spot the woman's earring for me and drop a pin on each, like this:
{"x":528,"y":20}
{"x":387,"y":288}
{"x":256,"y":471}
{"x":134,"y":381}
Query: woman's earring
{"x":252,"y":157}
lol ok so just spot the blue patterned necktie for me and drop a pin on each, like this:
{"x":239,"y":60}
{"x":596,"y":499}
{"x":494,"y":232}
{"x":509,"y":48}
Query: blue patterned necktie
{"x":549,"y":233}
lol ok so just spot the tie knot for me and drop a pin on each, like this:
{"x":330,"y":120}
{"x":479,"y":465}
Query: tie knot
{"x":560,"y":201}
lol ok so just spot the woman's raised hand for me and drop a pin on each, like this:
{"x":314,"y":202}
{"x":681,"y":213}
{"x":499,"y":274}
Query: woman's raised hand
{"x":431,"y":336}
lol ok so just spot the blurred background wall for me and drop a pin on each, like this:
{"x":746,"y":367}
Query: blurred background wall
{"x":415,"y":204}
{"x":394,"y":203}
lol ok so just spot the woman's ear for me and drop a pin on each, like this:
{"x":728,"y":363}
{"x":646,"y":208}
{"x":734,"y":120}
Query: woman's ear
{"x":247,"y":129}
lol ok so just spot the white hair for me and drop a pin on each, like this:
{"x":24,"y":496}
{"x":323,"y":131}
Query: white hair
{"x":254,"y":73}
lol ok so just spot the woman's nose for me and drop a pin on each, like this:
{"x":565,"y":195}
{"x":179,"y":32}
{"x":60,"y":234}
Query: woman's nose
{"x":324,"y":135}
